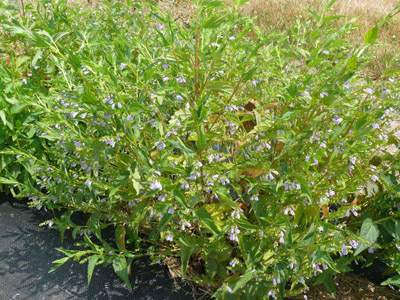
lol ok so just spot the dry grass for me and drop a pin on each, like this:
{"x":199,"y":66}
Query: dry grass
{"x":281,"y":14}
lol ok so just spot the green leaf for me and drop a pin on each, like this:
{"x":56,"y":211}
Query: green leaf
{"x":243,"y":224}
{"x":21,"y":60}
{"x":5,"y":121}
{"x":368,"y":232}
{"x":360,"y":122}
{"x":392,"y":280}
{"x":206,"y":219}
{"x":246,"y":277}
{"x":121,"y":268}
{"x":351,"y":64}
{"x":222,"y":86}
{"x":250,"y":250}
{"x":97,"y":147}
{"x":120,"y":237}
{"x":249,"y":74}
{"x":93,"y":224}
{"x":59,"y":35}
{"x":224,"y":196}
{"x":328,"y":5}
{"x":185,"y":253}
{"x":37,"y":56}
{"x":136,"y":180}
{"x":189,"y":245}
{"x":239,"y":3}
{"x":327,"y":281}
{"x":91,"y":264}
{"x":59,"y":262}
{"x":180,"y":145}
{"x":17,"y":108}
{"x":371,"y":35}
{"x":4,"y":180}
{"x":214,"y":21}
{"x":211,"y":267}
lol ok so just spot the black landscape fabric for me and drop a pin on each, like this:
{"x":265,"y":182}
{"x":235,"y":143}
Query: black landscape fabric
{"x":27,"y":252}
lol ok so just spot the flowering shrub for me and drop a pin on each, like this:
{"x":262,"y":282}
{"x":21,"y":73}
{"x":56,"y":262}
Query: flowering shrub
{"x":258,"y":159}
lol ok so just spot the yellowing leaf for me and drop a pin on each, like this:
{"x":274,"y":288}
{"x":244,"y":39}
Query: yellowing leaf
{"x":154,"y":154}
{"x":325,"y":210}
{"x":253,"y":173}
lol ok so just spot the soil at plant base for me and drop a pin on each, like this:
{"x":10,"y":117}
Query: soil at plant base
{"x":350,"y":287}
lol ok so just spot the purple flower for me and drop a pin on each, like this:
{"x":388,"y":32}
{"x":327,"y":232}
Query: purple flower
{"x":375,"y":178}
{"x":110,"y":142}
{"x":88,"y":182}
{"x":375,"y":125}
{"x":369,"y":90}
{"x":171,"y":210}
{"x":337,"y":120}
{"x":233,"y":262}
{"x":236,"y":214}
{"x":354,"y":244}
{"x":155,"y":185}
{"x":185,"y":185}
{"x":323,"y":94}
{"x":315,"y":162}
{"x":170,"y":237}
{"x":343,"y":251}
{"x":160,"y":145}
{"x":180,"y":79}
{"x":123,"y":66}
{"x":129,"y":118}
{"x":233,"y":233}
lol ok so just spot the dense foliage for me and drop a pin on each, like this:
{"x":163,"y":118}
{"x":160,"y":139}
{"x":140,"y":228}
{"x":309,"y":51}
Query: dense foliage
{"x":259,"y":159}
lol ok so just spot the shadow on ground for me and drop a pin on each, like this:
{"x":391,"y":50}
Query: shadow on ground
{"x":27,"y":252}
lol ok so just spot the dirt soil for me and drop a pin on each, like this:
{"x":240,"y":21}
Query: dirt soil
{"x":350,"y":287}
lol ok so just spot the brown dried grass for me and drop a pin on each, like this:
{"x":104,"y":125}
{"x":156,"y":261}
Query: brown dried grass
{"x":281,"y":14}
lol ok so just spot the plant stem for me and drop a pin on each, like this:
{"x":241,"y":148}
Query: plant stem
{"x":23,"y":8}
{"x":196,"y":64}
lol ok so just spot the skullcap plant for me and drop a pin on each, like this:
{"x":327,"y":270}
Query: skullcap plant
{"x":258,"y":159}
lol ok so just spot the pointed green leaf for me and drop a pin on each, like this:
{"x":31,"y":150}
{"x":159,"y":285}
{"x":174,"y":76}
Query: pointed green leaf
{"x":121,"y":268}
{"x":91,"y":264}
{"x":368,"y":232}
{"x":371,"y":35}
{"x":206,"y":219}
{"x":392,"y":280}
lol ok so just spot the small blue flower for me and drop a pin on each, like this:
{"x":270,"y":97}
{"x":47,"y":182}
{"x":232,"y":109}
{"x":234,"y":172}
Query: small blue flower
{"x":369,"y":90}
{"x":155,"y":185}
